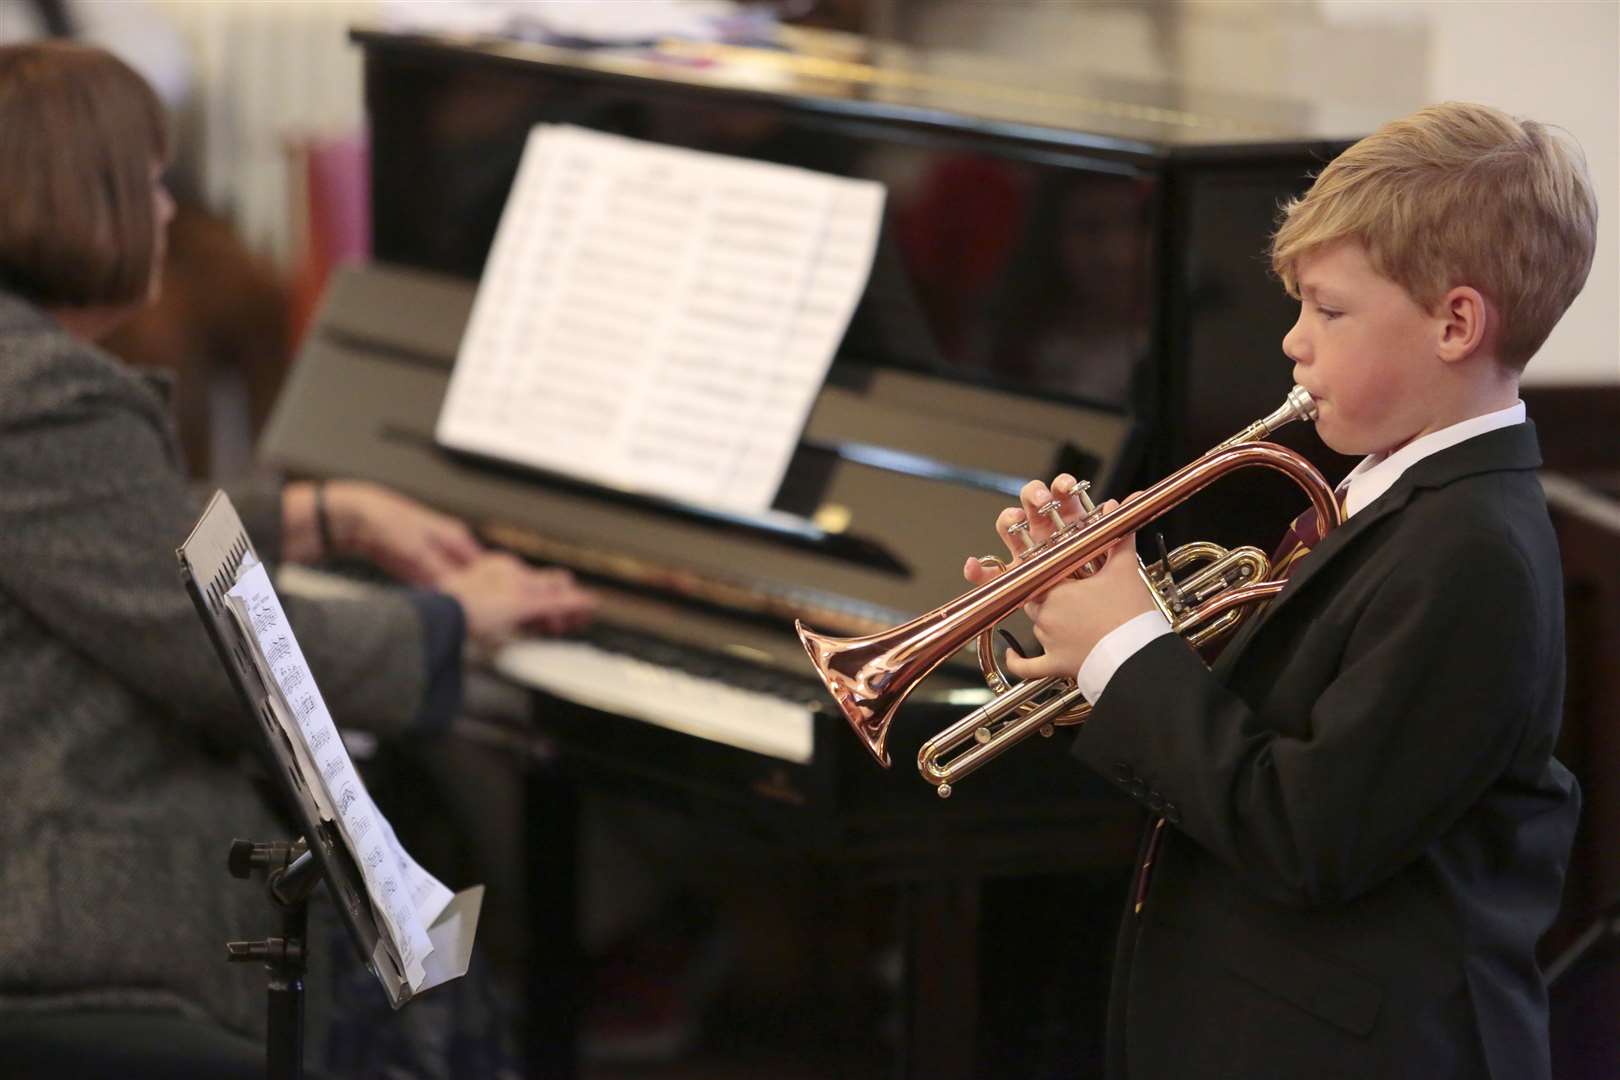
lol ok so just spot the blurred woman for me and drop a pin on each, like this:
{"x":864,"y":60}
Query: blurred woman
{"x":121,"y":741}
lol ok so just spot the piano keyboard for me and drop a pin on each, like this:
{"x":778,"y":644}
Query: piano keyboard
{"x":621,"y":673}
{"x":685,"y":689}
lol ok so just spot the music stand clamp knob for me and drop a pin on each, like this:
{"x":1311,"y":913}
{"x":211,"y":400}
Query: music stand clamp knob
{"x":270,"y":951}
{"x":246,"y":857}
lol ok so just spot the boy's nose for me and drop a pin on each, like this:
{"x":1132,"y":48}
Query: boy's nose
{"x":1293,"y":345}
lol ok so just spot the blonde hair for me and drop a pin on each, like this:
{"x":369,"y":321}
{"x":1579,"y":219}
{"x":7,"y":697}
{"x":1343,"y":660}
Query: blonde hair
{"x":1459,"y":194}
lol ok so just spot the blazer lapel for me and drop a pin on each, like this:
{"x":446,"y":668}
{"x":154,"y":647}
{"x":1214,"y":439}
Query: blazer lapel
{"x":1512,"y":447}
{"x":1312,"y":562}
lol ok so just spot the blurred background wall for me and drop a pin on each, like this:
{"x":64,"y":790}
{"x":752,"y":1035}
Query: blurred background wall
{"x":272,"y":173}
{"x":272,"y":89}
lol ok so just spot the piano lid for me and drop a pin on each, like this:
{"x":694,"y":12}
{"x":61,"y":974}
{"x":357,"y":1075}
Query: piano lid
{"x":975,"y":94}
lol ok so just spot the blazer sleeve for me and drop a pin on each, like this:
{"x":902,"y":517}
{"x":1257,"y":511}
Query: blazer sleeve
{"x":1434,"y":693}
{"x":92,"y":508}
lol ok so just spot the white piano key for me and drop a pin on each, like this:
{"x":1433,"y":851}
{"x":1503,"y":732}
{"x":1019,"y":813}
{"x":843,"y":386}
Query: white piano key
{"x":580,"y":672}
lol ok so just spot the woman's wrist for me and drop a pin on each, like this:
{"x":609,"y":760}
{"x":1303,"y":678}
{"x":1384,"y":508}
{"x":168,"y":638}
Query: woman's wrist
{"x":300,"y":533}
{"x":318,"y":520}
{"x":323,"y":522}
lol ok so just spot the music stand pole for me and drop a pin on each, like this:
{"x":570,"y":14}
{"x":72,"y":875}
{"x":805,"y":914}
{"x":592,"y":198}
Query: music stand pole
{"x":291,"y":874}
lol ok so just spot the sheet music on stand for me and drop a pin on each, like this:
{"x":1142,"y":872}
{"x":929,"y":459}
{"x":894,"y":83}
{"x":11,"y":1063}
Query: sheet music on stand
{"x":659,"y":320}
{"x":412,"y":931}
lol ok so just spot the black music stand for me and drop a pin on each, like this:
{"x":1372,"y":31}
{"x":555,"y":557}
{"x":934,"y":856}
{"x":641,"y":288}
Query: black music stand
{"x":291,"y":875}
{"x":210,"y":560}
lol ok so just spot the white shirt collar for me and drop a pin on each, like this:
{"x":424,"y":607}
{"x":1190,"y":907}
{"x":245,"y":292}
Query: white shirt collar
{"x":1376,"y":475}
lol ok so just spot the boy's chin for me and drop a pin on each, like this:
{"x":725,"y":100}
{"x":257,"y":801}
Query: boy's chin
{"x":1342,"y":439}
{"x":1331,"y":437}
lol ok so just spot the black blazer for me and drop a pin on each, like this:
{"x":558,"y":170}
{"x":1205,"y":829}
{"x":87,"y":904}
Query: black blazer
{"x":1367,"y":830}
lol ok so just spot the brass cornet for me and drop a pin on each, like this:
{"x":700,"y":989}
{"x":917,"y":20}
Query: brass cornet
{"x":871,"y":676}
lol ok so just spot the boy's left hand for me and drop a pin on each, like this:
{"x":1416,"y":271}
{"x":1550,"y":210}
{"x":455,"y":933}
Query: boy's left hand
{"x":1071,"y":617}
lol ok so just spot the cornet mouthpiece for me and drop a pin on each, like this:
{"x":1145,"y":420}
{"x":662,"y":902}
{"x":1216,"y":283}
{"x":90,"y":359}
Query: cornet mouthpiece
{"x":1302,"y":404}
{"x":1298,"y":405}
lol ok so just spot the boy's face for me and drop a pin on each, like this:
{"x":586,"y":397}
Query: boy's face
{"x":1366,"y":352}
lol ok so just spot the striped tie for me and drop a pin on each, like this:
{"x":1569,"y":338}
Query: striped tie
{"x":1304,"y":533}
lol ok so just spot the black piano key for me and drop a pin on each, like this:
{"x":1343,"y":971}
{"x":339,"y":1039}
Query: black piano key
{"x":705,"y":664}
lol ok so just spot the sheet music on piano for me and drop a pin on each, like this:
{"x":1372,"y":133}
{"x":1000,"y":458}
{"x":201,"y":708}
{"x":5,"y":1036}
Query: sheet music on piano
{"x":659,"y":320}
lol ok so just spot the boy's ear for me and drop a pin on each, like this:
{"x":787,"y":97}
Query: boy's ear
{"x":1465,"y":321}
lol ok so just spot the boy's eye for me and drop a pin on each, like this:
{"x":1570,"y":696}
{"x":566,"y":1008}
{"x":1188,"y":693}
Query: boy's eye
{"x":1328,"y":313}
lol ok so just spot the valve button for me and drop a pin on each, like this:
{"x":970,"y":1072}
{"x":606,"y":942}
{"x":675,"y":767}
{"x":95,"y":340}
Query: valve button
{"x":1019,"y":531}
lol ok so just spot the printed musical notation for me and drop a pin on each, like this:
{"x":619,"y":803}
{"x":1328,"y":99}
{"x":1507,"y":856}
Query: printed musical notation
{"x":406,"y":896}
{"x":659,"y":320}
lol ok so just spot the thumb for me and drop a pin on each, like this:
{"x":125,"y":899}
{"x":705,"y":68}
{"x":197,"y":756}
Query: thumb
{"x":1120,"y":555}
{"x":977,"y":572}
{"x":456,"y":543}
{"x":431,"y":564}
{"x":1020,"y":667}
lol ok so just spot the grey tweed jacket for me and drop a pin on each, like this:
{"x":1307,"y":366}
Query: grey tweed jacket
{"x":124,"y":764}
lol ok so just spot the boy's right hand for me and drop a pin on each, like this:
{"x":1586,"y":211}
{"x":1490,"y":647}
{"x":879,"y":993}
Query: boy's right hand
{"x":502,"y":596}
{"x":1072,"y":616}
{"x":1034,"y":495}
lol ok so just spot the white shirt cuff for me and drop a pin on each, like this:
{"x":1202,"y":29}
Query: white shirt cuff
{"x":1117,"y":646}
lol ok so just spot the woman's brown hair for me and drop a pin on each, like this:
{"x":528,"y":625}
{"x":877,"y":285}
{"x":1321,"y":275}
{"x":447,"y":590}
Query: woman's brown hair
{"x":80,"y":133}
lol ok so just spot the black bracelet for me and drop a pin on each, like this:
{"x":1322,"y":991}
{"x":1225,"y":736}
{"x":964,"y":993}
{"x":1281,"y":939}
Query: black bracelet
{"x":323,"y":523}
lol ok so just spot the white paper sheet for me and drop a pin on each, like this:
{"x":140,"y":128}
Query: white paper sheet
{"x":659,"y":320}
{"x":408,"y":898}
{"x":607,"y":21}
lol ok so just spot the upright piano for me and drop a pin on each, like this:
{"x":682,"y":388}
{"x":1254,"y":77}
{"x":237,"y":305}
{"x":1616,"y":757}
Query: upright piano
{"x":1067,"y":278}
